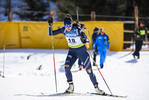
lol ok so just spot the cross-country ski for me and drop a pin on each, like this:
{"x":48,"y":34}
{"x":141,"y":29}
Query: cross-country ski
{"x":84,"y":94}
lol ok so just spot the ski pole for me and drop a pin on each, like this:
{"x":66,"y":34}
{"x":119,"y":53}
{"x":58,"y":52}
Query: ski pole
{"x":53,"y":58}
{"x":100,"y":73}
{"x":3,"y":60}
{"x":77,"y":9}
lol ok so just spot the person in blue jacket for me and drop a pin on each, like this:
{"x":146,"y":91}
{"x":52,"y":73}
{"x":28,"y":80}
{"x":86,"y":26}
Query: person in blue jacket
{"x":76,"y":39}
{"x":103,"y":45}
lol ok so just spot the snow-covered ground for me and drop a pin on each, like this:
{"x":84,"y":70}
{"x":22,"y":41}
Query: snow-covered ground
{"x":23,"y":81}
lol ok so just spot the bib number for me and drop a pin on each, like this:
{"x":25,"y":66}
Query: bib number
{"x":71,"y":40}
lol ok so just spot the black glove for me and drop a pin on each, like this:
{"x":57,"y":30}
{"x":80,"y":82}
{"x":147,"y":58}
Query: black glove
{"x":83,"y":40}
{"x":50,"y":21}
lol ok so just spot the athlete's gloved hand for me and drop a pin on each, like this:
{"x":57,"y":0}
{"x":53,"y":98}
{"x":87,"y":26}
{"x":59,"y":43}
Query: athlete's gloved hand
{"x":50,"y":21}
{"x":83,"y":40}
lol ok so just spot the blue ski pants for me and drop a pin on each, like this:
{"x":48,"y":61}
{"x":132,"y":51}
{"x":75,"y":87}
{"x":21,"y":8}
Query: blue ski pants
{"x":102,"y":54}
{"x":72,"y":56}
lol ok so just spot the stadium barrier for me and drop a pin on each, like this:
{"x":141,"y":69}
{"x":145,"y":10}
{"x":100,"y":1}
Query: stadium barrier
{"x":35,"y":34}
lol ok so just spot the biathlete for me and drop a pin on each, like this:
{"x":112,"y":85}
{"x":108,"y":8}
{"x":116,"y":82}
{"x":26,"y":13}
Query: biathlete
{"x":76,"y":39}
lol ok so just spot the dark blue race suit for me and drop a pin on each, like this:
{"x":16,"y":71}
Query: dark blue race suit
{"x":76,"y":50}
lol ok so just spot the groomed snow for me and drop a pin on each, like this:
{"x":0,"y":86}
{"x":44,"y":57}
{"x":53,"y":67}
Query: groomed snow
{"x":23,"y":81}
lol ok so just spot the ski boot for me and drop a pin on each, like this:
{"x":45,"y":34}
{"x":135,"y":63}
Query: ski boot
{"x":101,"y":66}
{"x":98,"y":90}
{"x":70,"y":88}
{"x":138,"y":56}
{"x":134,"y":56}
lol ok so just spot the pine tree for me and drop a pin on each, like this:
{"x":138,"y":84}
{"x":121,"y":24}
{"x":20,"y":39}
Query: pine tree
{"x":65,"y":7}
{"x":101,"y":7}
{"x":38,"y":6}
